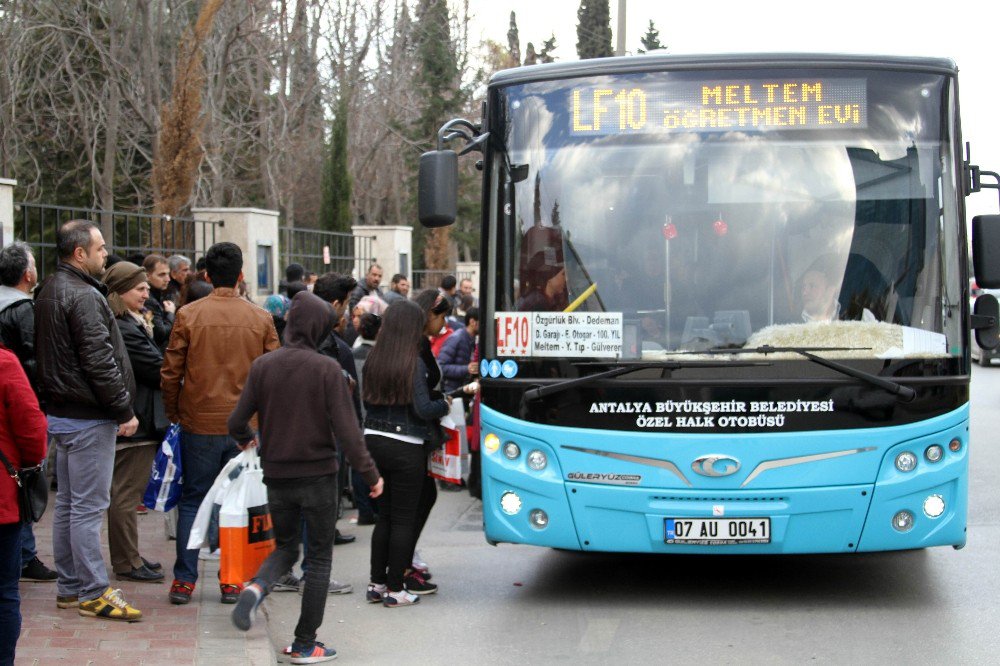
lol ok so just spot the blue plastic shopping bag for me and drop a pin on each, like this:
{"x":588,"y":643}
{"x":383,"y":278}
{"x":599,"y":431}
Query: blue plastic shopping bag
{"x":164,"y":488}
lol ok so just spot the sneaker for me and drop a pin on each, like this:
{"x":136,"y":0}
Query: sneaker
{"x":419,"y":564}
{"x":206,"y":554}
{"x":141,"y":509}
{"x":140,"y":575}
{"x":110,"y":606}
{"x":180,"y":592}
{"x":37,"y":572}
{"x":246,"y":606}
{"x":417,"y":583}
{"x":397,"y":599}
{"x":336,"y":587}
{"x":229,"y":593}
{"x":375,"y":593}
{"x":314,"y":654}
{"x":67,"y":601}
{"x":287,"y":583}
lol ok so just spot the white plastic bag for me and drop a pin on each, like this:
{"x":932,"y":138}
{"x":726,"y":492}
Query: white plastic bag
{"x":203,"y":519}
{"x":246,"y":535}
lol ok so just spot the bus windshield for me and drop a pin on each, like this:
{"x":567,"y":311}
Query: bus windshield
{"x":731,"y":209}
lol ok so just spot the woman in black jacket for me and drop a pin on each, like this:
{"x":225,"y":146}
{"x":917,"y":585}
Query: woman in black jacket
{"x":128,"y":290}
{"x":400,"y":416}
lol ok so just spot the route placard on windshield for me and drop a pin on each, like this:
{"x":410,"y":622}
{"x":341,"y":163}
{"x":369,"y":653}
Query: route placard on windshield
{"x":559,"y":334}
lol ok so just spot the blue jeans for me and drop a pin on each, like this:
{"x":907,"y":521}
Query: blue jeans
{"x":202,"y":458}
{"x":84,"y":463}
{"x":10,"y":597}
{"x":29,"y":549}
{"x":310,"y":503}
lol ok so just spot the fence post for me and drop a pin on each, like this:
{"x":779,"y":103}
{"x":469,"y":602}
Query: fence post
{"x":391,"y":248}
{"x":256,"y":232}
{"x":7,"y":186}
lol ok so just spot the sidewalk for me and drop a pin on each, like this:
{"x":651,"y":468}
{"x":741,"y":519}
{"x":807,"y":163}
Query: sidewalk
{"x":198,"y":633}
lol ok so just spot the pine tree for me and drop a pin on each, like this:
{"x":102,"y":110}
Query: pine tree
{"x":651,"y":40}
{"x":514,"y":40}
{"x":593,"y":29}
{"x":548,"y":46}
{"x":336,"y":207}
{"x":439,"y":86}
{"x":530,"y":57}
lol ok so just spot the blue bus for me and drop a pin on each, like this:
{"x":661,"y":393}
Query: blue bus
{"x":730,"y":298}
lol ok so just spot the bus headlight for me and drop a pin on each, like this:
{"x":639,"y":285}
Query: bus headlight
{"x":934,"y":506}
{"x":538,"y":519}
{"x":934,"y":453}
{"x":511,"y":450}
{"x":906,"y":461}
{"x":537,"y":460}
{"x":491,"y":443}
{"x":903,"y":521}
{"x":510,"y":503}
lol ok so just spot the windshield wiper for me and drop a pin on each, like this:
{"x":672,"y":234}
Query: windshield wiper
{"x":621,"y":369}
{"x":904,"y":393}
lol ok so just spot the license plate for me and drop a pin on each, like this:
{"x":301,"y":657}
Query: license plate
{"x":717,"y":531}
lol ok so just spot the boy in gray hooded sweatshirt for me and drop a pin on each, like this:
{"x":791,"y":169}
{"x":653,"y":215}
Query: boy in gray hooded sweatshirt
{"x":305,"y":411}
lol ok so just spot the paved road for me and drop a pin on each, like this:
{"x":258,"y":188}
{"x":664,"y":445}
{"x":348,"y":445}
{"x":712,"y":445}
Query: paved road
{"x":518,"y":604}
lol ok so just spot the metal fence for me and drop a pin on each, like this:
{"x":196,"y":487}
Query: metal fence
{"x":324,"y":251}
{"x":125,"y":233}
{"x":425,"y":279}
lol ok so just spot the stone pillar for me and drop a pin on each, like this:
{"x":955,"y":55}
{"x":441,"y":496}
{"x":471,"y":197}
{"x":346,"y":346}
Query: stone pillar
{"x":7,"y":211}
{"x":256,"y":232}
{"x":391,"y":248}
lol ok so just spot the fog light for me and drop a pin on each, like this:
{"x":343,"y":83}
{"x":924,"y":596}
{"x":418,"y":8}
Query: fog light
{"x":511,"y":450}
{"x":491,"y":443}
{"x":537,"y":460}
{"x":934,"y":453}
{"x":510,"y":503}
{"x":906,"y":461}
{"x":955,"y":445}
{"x":934,"y":506}
{"x":538,"y":519}
{"x":903,"y":521}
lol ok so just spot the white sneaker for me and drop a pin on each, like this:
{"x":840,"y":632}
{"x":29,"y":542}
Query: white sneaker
{"x":336,"y":587}
{"x":399,"y":599}
{"x":206,"y":554}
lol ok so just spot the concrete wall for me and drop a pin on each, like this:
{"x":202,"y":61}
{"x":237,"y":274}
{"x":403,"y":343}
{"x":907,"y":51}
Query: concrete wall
{"x":392,"y":247}
{"x":256,"y":232}
{"x":7,"y":211}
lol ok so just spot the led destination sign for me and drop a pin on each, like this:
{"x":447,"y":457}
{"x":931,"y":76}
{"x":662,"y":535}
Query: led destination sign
{"x":758,"y":104}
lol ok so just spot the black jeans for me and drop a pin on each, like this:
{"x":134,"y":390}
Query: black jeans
{"x":403,"y":467}
{"x":312,"y":501}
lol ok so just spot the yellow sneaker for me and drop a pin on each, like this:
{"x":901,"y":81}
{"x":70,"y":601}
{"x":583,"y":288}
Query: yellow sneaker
{"x":111,"y":606}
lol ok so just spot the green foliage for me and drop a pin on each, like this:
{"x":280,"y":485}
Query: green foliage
{"x":651,"y":40}
{"x":593,"y":29}
{"x":336,"y":204}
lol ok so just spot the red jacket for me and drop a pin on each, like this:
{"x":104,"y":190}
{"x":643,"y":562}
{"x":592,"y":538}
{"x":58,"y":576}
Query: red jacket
{"x":22,"y":430}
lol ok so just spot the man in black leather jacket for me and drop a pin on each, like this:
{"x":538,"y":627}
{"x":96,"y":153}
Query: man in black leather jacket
{"x":86,"y":380}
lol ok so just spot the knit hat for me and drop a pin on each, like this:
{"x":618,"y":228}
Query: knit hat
{"x":120,"y":279}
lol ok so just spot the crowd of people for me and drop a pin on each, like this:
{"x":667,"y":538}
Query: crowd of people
{"x":107,"y":352}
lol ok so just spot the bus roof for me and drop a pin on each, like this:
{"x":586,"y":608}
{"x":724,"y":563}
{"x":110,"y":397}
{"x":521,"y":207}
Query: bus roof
{"x":661,"y":61}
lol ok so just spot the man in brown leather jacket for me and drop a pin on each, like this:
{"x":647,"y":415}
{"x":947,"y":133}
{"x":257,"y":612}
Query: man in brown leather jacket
{"x":212,"y":344}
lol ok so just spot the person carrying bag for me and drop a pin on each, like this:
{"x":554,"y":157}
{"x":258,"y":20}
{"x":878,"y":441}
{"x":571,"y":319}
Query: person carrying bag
{"x":300,"y":431}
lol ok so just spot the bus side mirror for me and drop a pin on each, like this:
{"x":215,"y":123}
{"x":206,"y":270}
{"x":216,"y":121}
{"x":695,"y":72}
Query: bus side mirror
{"x":437,"y":191}
{"x":987,"y":311}
{"x":986,"y":250}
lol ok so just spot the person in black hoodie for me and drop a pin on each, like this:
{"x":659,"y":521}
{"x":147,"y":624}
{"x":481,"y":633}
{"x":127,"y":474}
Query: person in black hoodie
{"x":299,"y":434}
{"x":128,"y":291}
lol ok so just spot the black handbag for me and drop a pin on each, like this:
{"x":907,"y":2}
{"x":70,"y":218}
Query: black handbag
{"x":32,"y":489}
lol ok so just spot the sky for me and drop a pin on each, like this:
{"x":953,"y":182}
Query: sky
{"x":966,"y":33}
